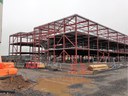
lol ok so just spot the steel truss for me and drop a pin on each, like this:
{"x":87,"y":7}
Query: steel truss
{"x":73,"y":39}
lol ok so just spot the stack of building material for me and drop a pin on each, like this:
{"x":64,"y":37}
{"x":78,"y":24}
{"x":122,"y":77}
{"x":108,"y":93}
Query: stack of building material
{"x":98,"y":67}
{"x":33,"y":65}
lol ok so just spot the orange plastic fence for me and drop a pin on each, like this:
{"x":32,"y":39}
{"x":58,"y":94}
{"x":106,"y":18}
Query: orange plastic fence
{"x":12,"y":71}
{"x":8,"y":71}
{"x":8,"y":64}
{"x":1,"y":65}
{"x":3,"y":72}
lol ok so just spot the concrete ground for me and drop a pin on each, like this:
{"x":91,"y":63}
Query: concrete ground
{"x":109,"y":83}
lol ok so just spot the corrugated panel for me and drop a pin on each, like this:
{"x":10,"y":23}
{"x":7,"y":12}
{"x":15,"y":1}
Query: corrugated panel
{"x":1,"y":7}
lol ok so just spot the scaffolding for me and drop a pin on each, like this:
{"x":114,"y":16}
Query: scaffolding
{"x":73,"y":40}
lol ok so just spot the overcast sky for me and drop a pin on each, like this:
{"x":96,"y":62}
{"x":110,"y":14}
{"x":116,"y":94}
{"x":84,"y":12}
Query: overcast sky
{"x":23,"y":15}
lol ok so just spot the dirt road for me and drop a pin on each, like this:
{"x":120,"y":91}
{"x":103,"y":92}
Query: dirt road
{"x":110,"y":83}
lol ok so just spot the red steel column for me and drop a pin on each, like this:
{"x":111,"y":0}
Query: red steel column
{"x":88,"y":44}
{"x":97,"y":43}
{"x":108,"y":45}
{"x":16,"y":47}
{"x":12,"y":45}
{"x":34,"y":47}
{"x":20,"y":44}
{"x":75,"y":40}
{"x":9,"y":45}
{"x":64,"y":42}
{"x":39,"y":53}
{"x":54,"y":44}
{"x":48,"y":45}
{"x":117,"y":46}
{"x":125,"y":50}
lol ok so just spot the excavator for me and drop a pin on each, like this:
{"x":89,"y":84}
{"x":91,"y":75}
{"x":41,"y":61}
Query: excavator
{"x":7,"y":69}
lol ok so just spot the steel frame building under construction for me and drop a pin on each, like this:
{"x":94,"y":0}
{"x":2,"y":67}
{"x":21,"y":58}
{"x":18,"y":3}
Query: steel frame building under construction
{"x":73,"y":39}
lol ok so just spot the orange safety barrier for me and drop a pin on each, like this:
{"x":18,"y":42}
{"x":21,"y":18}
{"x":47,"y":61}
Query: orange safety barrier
{"x":7,"y":68}
{"x":3,"y":72}
{"x":1,"y":65}
{"x":12,"y":71}
{"x":8,"y":64}
{"x":8,"y":71}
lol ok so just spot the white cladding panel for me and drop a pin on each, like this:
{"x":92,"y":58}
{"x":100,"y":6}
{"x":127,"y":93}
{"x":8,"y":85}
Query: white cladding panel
{"x":0,"y":20}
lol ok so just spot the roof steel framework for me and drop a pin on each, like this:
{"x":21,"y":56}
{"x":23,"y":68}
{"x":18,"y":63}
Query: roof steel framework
{"x":73,"y":37}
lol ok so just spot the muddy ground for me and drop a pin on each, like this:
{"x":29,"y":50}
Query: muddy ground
{"x":18,"y":86}
{"x":47,"y":83}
